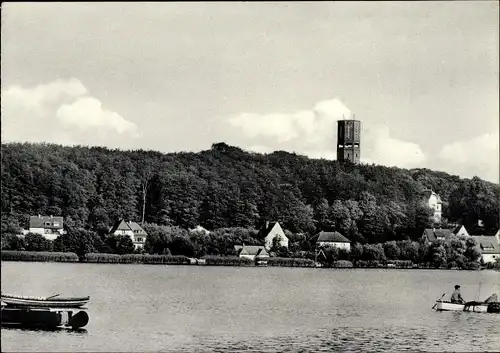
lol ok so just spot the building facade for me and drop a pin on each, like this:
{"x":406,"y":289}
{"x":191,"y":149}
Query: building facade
{"x":49,"y":227}
{"x":333,"y":239}
{"x":489,"y":247}
{"x":133,"y":230}
{"x":251,"y":252}
{"x":270,"y":231}
{"x":434,"y":202}
{"x":349,"y":140}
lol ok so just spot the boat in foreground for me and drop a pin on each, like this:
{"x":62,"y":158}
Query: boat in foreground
{"x":448,"y":306}
{"x":50,"y":302}
{"x":43,"y":318}
{"x":44,"y":312}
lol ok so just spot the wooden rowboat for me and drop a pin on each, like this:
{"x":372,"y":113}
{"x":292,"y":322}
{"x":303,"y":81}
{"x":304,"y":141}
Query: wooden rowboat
{"x":52,"y":302}
{"x":473,"y":307}
{"x":43,"y":318}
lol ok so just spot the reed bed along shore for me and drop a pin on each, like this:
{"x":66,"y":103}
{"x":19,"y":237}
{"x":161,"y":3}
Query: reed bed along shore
{"x":208,"y":260}
{"x":44,"y":256}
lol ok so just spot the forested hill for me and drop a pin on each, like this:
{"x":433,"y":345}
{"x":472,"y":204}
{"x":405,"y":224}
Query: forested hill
{"x":228,"y":187}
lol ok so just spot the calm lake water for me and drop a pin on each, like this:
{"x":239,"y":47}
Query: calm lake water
{"x":150,"y":308}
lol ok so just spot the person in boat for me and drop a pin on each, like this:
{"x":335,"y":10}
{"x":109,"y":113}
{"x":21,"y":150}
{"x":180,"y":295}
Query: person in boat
{"x":456,"y":296}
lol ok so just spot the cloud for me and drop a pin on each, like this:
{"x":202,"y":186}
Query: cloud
{"x":313,"y":132}
{"x":390,"y":151}
{"x":62,"y":112}
{"x":87,"y":113}
{"x":477,"y":156}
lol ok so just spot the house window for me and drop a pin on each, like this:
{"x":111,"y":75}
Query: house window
{"x":47,"y":223}
{"x":140,"y":240}
{"x":48,"y":231}
{"x":123,"y":232}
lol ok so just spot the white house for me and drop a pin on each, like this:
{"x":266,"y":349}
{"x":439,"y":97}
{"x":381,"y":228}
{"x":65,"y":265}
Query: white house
{"x":333,"y":239}
{"x":251,"y":252}
{"x":460,"y":231}
{"x":434,"y":201}
{"x":489,"y":246}
{"x":270,"y":231}
{"x":133,"y":230}
{"x":48,"y":226}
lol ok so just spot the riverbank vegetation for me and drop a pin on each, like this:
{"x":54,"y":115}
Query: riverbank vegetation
{"x":226,"y":187}
{"x":456,"y":252}
{"x":41,"y":256}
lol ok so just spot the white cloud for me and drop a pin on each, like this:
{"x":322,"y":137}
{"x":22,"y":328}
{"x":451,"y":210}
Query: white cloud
{"x":60,"y":111}
{"x":87,"y":113}
{"x":477,"y":156}
{"x":314,"y":132}
{"x":41,"y":95}
{"x":389,"y":151}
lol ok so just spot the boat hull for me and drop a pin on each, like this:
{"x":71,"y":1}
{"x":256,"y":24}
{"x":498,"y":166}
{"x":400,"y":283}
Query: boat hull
{"x":42,"y":318}
{"x":447,"y":306}
{"x":18,"y":301}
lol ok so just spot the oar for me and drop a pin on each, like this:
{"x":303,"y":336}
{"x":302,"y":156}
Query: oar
{"x":52,"y":296}
{"x":438,"y":300}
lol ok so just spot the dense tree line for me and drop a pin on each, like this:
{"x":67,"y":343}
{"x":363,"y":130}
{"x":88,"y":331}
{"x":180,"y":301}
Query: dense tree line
{"x":226,"y":187}
{"x":456,"y":252}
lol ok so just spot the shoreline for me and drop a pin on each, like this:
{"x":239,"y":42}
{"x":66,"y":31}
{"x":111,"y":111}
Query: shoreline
{"x":215,"y":260}
{"x":255,"y":266}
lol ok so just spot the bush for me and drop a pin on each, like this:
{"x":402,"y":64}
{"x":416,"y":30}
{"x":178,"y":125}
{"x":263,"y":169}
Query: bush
{"x":227,"y":261}
{"x":290,"y":262}
{"x":402,"y":263}
{"x":342,"y":264}
{"x":136,"y":259}
{"x":367,"y":263}
{"x":11,"y":255}
{"x":472,"y":265}
{"x":101,"y":258}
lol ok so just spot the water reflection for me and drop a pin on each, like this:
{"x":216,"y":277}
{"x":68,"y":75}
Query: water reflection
{"x":225,"y":309}
{"x":68,"y":330}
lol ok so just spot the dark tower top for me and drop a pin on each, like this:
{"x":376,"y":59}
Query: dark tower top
{"x":349,"y":140}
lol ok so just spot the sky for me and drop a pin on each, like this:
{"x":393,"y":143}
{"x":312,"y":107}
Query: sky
{"x":422,"y":77}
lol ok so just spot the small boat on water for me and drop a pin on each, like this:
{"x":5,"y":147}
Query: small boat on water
{"x":43,"y":318}
{"x":52,"y":302}
{"x":44,"y":312}
{"x":490,"y":305}
{"x":448,"y":306}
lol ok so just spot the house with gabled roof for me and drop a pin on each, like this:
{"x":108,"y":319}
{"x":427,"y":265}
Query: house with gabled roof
{"x":332,"y":239}
{"x":49,"y":227}
{"x":460,"y":231}
{"x":488,"y":246}
{"x":431,"y":235}
{"x":132,"y":229}
{"x":270,"y":231}
{"x":251,"y":252}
